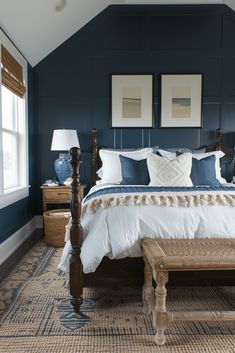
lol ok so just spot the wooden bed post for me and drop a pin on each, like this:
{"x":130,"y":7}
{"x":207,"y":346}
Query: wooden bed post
{"x":94,"y":155}
{"x":218,"y":139}
{"x":76,"y":270}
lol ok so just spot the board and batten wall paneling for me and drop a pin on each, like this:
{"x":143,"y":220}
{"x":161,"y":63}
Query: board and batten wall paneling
{"x":72,"y":84}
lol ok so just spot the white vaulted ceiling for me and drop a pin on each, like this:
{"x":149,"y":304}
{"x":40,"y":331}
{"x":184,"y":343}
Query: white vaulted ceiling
{"x":37,"y":28}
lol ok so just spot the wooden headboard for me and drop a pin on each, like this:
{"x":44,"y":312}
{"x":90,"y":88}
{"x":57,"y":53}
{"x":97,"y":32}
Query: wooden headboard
{"x":228,"y":159}
{"x":95,"y":156}
{"x":229,"y":152}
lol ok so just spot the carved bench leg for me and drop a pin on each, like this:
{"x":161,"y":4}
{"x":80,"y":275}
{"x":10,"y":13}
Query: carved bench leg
{"x":148,"y":290}
{"x":160,"y":315}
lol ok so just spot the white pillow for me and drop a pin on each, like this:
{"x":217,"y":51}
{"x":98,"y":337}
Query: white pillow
{"x":100,"y":172}
{"x":111,"y":165}
{"x":163,"y":172}
{"x":217,"y":154}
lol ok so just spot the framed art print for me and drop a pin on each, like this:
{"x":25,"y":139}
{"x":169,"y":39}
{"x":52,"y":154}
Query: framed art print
{"x":132,"y":100}
{"x":181,"y":100}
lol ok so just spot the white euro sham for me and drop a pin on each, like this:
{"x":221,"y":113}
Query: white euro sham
{"x":111,"y":166}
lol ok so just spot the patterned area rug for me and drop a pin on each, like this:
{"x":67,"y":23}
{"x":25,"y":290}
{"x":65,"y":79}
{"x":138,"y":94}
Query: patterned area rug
{"x":36,"y":315}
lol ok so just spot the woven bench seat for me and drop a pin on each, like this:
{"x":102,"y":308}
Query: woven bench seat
{"x":190,"y":254}
{"x":164,"y":255}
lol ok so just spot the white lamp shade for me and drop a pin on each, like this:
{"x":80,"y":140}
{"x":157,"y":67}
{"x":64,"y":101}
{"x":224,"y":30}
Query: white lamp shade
{"x":64,"y":139}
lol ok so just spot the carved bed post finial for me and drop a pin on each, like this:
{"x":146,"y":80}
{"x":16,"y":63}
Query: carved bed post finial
{"x":76,"y":271}
{"x":94,"y":155}
{"x":218,"y":139}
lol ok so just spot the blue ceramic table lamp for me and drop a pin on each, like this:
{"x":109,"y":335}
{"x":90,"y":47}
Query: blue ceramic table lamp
{"x":63,"y":140}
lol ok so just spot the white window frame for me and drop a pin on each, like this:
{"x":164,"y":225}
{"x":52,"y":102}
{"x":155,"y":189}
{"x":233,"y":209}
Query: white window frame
{"x":13,"y":195}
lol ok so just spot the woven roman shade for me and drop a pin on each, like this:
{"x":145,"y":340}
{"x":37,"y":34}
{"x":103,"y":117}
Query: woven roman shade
{"x":12,"y":73}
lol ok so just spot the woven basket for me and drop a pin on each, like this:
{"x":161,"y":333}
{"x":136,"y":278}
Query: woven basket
{"x":54,"y":226}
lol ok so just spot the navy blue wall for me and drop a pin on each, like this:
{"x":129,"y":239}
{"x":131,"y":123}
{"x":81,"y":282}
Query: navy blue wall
{"x":16,"y":215}
{"x":72,"y":84}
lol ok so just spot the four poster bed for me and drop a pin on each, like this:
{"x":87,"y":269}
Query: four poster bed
{"x":109,"y":210}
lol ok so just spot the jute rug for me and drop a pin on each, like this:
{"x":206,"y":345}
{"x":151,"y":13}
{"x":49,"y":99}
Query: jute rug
{"x":36,"y":315}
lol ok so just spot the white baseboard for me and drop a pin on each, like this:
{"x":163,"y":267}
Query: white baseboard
{"x":38,"y":221}
{"x":15,"y":240}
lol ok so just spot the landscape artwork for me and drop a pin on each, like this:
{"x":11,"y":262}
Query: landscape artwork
{"x":181,"y":102}
{"x":131,"y":103}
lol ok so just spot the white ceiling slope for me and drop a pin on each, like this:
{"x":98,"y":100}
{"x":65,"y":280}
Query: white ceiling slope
{"x":37,"y":28}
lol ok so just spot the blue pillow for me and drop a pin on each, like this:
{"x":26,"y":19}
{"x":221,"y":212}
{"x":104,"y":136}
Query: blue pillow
{"x":203,"y":172}
{"x":134,"y":172}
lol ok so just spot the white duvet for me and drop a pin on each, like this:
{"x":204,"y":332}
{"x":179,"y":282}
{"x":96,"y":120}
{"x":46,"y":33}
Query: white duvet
{"x":117,"y":231}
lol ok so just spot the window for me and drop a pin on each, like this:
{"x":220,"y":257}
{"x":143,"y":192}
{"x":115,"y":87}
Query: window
{"x":13,"y":124}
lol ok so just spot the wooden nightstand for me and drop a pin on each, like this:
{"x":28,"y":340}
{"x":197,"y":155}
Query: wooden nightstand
{"x":58,"y":195}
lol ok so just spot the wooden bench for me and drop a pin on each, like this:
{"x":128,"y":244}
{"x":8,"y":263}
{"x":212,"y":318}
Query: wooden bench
{"x":164,"y":255}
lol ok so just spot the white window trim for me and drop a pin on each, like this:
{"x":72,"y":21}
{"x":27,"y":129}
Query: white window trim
{"x":13,"y":195}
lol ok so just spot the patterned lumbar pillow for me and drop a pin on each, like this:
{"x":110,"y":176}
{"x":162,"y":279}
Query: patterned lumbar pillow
{"x":164,"y":172}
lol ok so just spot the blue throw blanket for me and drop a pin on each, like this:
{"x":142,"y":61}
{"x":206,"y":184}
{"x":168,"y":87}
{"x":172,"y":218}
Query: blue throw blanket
{"x":152,"y":189}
